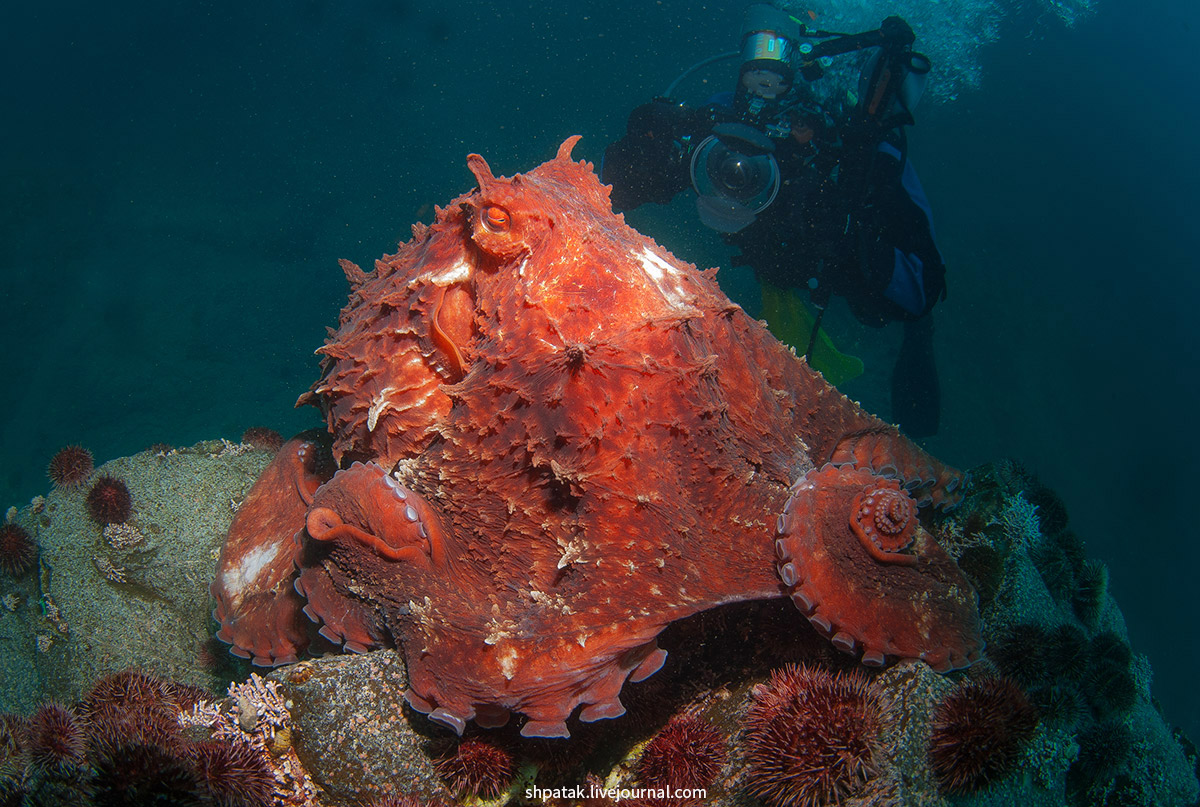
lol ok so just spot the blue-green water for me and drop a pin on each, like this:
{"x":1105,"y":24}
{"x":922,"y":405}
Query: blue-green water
{"x":178,"y":184}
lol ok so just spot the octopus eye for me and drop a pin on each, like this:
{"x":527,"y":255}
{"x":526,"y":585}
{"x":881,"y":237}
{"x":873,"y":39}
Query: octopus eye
{"x":496,"y":218}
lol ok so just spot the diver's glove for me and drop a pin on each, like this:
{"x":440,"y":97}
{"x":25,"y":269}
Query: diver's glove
{"x":659,"y":121}
{"x":647,"y":164}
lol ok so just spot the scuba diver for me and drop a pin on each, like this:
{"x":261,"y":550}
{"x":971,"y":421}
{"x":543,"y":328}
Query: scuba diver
{"x":817,"y":196}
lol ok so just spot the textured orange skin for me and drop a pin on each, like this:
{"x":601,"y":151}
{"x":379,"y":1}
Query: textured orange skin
{"x":597,"y":440}
{"x":261,"y":619}
{"x":914,"y":603}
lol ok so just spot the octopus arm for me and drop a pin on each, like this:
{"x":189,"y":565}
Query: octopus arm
{"x":256,"y":605}
{"x":856,"y":562}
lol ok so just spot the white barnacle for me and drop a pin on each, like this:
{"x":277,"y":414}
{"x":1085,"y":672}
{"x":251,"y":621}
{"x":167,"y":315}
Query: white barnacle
{"x":123,"y":536}
{"x":498,"y":628}
{"x":422,"y":610}
{"x":203,"y":714}
{"x":496,"y":634}
{"x":110,"y":571}
{"x":554,"y":601}
{"x":1019,"y":521}
{"x":571,"y":553}
{"x":259,"y":707}
{"x":378,"y":403}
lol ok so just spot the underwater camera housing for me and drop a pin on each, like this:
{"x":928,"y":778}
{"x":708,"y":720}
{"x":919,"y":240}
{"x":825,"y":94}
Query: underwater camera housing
{"x":735,"y":175}
{"x":733,"y":170}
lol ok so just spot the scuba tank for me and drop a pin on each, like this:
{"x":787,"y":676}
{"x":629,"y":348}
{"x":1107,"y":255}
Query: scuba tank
{"x":890,"y":86}
{"x":893,"y":79}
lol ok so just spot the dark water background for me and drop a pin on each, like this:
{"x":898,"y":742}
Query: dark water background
{"x":177,"y":184}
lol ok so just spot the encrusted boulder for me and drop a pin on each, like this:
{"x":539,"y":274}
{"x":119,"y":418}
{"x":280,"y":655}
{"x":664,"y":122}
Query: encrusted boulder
{"x":127,"y":595}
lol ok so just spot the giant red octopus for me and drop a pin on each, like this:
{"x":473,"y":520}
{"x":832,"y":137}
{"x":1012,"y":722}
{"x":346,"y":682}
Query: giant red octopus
{"x":548,"y":439}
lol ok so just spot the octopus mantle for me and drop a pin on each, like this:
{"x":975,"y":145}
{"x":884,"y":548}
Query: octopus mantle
{"x":554,"y":439}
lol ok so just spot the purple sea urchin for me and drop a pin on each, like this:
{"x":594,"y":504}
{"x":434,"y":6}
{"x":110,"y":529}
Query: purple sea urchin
{"x":812,"y":736}
{"x":139,"y":773}
{"x":70,"y":467}
{"x":1091,"y":591}
{"x":979,"y":732}
{"x":18,"y":552}
{"x":57,"y":741}
{"x":109,"y":501}
{"x":262,"y":437}
{"x":687,"y":753}
{"x":477,"y":767}
{"x":233,"y":774}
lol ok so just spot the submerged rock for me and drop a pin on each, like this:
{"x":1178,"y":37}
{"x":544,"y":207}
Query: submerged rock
{"x":135,"y":594}
{"x":350,"y":729}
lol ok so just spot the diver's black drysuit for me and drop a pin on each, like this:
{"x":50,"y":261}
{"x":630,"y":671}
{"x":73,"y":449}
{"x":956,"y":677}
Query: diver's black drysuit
{"x":850,"y":219}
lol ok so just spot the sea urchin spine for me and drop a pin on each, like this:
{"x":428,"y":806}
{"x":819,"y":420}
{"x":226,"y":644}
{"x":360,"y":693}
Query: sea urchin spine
{"x":405,"y":800}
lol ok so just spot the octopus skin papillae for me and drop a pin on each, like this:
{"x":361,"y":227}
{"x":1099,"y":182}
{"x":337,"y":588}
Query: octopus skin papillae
{"x":547,"y":439}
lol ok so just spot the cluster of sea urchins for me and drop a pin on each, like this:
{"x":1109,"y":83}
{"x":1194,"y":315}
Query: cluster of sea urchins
{"x":108,"y":500}
{"x":123,"y":744}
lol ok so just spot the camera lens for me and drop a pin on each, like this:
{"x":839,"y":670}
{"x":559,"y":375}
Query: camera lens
{"x":737,"y":176}
{"x":733,"y":174}
{"x":742,"y":181}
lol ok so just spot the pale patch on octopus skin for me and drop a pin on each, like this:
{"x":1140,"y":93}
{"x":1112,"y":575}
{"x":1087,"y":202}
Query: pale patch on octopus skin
{"x":239,"y":577}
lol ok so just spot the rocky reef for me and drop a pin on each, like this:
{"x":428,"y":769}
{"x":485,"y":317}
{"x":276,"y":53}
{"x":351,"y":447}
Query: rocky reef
{"x":752,"y":707}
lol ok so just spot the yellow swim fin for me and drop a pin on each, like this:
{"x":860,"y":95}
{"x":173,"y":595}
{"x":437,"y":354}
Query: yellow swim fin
{"x":792,"y":323}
